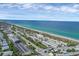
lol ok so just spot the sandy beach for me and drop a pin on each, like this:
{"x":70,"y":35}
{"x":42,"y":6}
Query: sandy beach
{"x":51,"y":34}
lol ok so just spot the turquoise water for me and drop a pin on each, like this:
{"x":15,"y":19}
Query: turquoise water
{"x":68,"y":29}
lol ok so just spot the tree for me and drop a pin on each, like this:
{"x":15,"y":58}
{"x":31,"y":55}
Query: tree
{"x":71,"y":50}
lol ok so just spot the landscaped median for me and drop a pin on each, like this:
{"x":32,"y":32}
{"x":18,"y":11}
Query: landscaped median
{"x":37,"y":43}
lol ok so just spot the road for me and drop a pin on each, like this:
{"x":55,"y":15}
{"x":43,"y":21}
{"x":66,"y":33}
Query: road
{"x":39,"y":50}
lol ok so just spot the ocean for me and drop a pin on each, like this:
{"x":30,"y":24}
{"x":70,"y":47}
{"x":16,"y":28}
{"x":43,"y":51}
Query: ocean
{"x":64,"y":28}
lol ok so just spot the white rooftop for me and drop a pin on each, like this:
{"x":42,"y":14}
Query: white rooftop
{"x":7,"y":53}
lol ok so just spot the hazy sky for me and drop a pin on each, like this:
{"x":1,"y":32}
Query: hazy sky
{"x":46,"y":11}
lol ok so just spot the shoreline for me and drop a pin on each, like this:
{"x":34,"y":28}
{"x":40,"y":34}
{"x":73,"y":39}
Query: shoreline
{"x":50,"y":34}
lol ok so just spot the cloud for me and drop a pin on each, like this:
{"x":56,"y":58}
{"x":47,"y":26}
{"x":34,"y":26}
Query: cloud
{"x":12,"y":16}
{"x":31,"y":11}
{"x":7,"y":16}
{"x":62,"y":8}
{"x":43,"y":7}
{"x":48,"y":7}
{"x":76,"y":6}
{"x":23,"y":17}
{"x":68,"y":9}
{"x":25,"y":6}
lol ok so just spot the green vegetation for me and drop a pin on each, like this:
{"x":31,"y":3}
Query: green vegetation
{"x":21,"y":40}
{"x":33,"y":51}
{"x":14,"y":49}
{"x":1,"y":30}
{"x":11,"y":45}
{"x":5,"y":50}
{"x":13,"y":28}
{"x":71,"y":50}
{"x":32,"y":48}
{"x":58,"y":51}
{"x":71,"y":43}
{"x":0,"y":48}
{"x":39,"y":44}
{"x":14,"y":33}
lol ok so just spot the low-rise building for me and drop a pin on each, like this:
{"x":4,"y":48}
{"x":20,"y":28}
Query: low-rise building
{"x":7,"y":53}
{"x":4,"y":45}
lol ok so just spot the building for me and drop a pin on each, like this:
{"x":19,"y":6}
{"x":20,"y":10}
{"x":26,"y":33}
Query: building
{"x":7,"y":53}
{"x":4,"y":26}
{"x":4,"y":45}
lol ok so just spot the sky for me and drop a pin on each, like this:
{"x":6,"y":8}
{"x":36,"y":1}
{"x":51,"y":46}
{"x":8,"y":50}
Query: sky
{"x":40,"y":11}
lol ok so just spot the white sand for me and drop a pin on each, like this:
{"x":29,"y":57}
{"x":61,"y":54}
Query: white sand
{"x":60,"y":36}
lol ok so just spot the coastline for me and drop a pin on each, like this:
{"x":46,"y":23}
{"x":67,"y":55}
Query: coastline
{"x":51,"y":34}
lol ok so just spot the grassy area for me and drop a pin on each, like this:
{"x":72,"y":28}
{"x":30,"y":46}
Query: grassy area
{"x":39,"y":44}
{"x":71,"y":43}
{"x":71,"y":50}
{"x":14,"y":49}
{"x":33,"y":51}
{"x":31,"y":47}
{"x":21,"y":40}
{"x":13,"y":28}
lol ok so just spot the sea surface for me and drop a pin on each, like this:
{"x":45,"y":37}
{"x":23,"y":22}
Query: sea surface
{"x":64,"y":28}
